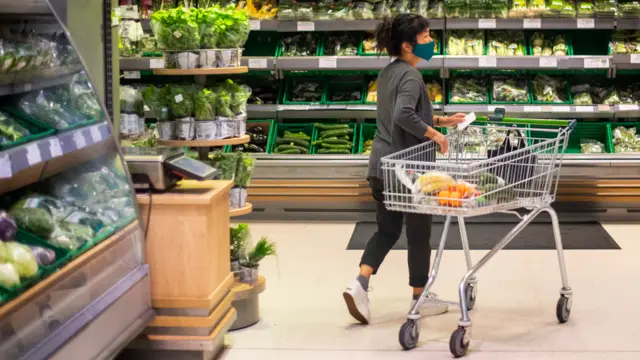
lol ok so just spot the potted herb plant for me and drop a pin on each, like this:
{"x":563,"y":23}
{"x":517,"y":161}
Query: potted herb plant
{"x":251,"y":262}
{"x":238,"y":237}
{"x":205,"y":110}
{"x":244,"y":170}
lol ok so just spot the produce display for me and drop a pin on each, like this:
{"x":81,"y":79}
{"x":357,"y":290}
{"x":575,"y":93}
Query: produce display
{"x":303,"y":44}
{"x":590,"y":146}
{"x":465,"y":42}
{"x":344,"y":92}
{"x":369,"y":46}
{"x":341,"y":44}
{"x":261,"y":9}
{"x":468,"y":89}
{"x":131,"y":36}
{"x":10,"y":129}
{"x":372,"y":91}
{"x":334,"y":139}
{"x":585,"y":8}
{"x":292,"y":143}
{"x":543,"y":45}
{"x":548,"y":89}
{"x":511,"y":89}
{"x":625,"y":42}
{"x":306,"y":91}
{"x":264,"y":93}
{"x":629,"y":8}
{"x":581,"y":94}
{"x":626,"y":140}
{"x":259,"y":137}
{"x":605,"y":7}
{"x":434,"y":90}
{"x":24,"y":51}
{"x":368,"y":146}
{"x":506,"y":43}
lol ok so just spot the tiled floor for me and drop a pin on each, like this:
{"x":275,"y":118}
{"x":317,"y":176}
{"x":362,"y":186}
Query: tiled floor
{"x":304,"y":317}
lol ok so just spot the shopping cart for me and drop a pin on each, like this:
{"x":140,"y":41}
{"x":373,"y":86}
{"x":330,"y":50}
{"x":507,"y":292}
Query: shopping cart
{"x":501,"y":167}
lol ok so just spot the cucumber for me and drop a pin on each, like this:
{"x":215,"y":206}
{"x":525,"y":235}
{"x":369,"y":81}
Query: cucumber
{"x":333,"y":151}
{"x":292,"y":151}
{"x":339,"y":147}
{"x":300,"y":135}
{"x":331,"y":126}
{"x":293,"y":147}
{"x":335,"y":142}
{"x":290,"y":140}
{"x":338,"y":133}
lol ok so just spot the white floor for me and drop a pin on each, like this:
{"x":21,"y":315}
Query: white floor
{"x":304,"y":317}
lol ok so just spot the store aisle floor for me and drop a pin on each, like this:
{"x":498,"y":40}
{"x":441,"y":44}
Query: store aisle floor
{"x":304,"y":317}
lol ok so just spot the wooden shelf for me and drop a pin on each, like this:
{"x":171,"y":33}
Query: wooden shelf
{"x":204,"y":143}
{"x":248,"y":208}
{"x":243,"y":291}
{"x":208,"y":71}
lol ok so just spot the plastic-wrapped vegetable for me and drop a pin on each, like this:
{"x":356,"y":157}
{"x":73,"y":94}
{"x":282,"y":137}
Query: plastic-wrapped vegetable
{"x":581,"y":94}
{"x":131,"y":101}
{"x":590,"y":146}
{"x":10,"y":129}
{"x":53,"y":113}
{"x":306,"y":91}
{"x":510,"y":89}
{"x":207,"y":29}
{"x":585,"y":8}
{"x":605,"y":7}
{"x":8,"y":227}
{"x":176,"y":29}
{"x":181,"y":101}
{"x":466,"y":42}
{"x":519,"y":9}
{"x":561,"y":8}
{"x":436,"y":9}
{"x":286,"y":10}
{"x":341,"y":10}
{"x":205,"y":105}
{"x":364,"y":10}
{"x":239,"y":96}
{"x":625,"y":42}
{"x":9,"y":277}
{"x":244,"y":169}
{"x":506,"y":43}
{"x":629,"y":8}
{"x":223,"y":103}
{"x":625,"y":139}
{"x":157,"y":100}
{"x":261,"y":9}
{"x":340,"y":44}
{"x":130,"y":35}
{"x":434,"y":90}
{"x":399,"y":6}
{"x":469,"y":89}
{"x":71,"y":236}
{"x":542,"y":45}
{"x":43,"y":256}
{"x":369,"y":46}
{"x":305,"y":10}
{"x":538,"y":8}
{"x":303,"y":44}
{"x":83,"y":98}
{"x":232,"y":27}
{"x":456,"y":9}
{"x":549,"y":89}
{"x":372,"y":92}
{"x":22,"y":259}
{"x":226,"y":163}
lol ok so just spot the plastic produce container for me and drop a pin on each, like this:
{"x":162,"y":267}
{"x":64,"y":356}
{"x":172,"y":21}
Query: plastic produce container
{"x":306,"y":128}
{"x":317,"y":131}
{"x":598,"y":131}
{"x":37,"y":130}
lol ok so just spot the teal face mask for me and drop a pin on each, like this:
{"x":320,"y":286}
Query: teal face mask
{"x":424,"y":51}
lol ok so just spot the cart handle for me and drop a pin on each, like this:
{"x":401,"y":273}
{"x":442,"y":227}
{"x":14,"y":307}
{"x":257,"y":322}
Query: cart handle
{"x":498,"y":116}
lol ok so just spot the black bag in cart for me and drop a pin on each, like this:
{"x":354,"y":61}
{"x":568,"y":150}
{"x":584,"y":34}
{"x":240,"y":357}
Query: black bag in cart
{"x":516,"y":168}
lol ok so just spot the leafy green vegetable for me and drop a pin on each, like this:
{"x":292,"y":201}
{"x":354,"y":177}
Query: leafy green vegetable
{"x":232,"y":27}
{"x":244,"y":169}
{"x":176,"y":29}
{"x":36,"y":221}
{"x":239,"y":237}
{"x":9,"y":277}
{"x":205,"y":105}
{"x":625,"y":139}
{"x":226,"y":163}
{"x":157,"y":99}
{"x":223,"y":104}
{"x":506,"y":43}
{"x":181,"y":101}
{"x":10,"y":129}
{"x":466,"y":42}
{"x":469,"y":89}
{"x":131,"y":101}
{"x":549,"y":89}
{"x":22,"y":259}
{"x":510,"y":89}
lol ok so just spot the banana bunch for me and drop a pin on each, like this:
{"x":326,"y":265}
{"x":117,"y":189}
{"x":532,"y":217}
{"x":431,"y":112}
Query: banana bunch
{"x":434,"y":181}
{"x":372,"y":91}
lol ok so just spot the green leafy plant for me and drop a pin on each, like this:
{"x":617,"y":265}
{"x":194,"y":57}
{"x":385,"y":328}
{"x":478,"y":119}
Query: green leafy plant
{"x":244,"y":169}
{"x":176,"y":29}
{"x":205,"y":105}
{"x":157,"y":99}
{"x":232,"y":27}
{"x":261,"y":250}
{"x":181,"y":101}
{"x":238,"y":237}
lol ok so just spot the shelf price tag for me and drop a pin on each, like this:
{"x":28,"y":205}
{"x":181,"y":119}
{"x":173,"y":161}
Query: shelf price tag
{"x":548,"y":62}
{"x":532,"y":23}
{"x":5,"y":166}
{"x":532,"y":108}
{"x":131,"y":74}
{"x":78,"y":138}
{"x":329,"y":62}
{"x":156,"y":63}
{"x":55,"y":148}
{"x":33,"y":154}
{"x":627,"y":107}
{"x":634,"y":58}
{"x":257,"y":63}
{"x":585,"y":108}
{"x":306,"y":26}
{"x":561,"y":109}
{"x":486,"y":23}
{"x":487,"y":61}
{"x":254,"y":24}
{"x":585,"y":23}
{"x":96,"y":135}
{"x":596,"y":63}
{"x":491,"y":108}
{"x":604,"y":108}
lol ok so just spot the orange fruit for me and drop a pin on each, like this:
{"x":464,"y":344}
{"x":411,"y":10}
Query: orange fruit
{"x":443,"y":198}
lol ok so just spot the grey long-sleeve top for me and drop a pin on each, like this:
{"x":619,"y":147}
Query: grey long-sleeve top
{"x":404,"y":112}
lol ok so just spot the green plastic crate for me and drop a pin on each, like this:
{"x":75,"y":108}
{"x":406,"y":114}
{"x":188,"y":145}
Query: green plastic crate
{"x":534,"y":101}
{"x":316,"y":135}
{"x":584,"y":130}
{"x":286,"y":99}
{"x":306,"y":128}
{"x":366,"y":132}
{"x":16,"y":112}
{"x":326,"y":35}
{"x":37,"y":130}
{"x":492,"y":101}
{"x":614,"y":125}
{"x":269,"y":124}
{"x":262,"y":43}
{"x":450,"y":85}
{"x":318,"y":44}
{"x":488,"y":39}
{"x":349,"y":85}
{"x":484,"y":51}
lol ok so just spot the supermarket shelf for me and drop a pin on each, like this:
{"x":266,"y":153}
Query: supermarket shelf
{"x":49,"y":314}
{"x":628,"y":24}
{"x":539,"y":111}
{"x":47,"y":156}
{"x":205,"y":143}
{"x":329,"y":111}
{"x":627,"y":111}
{"x":204,"y":71}
{"x":257,"y":63}
{"x":626,"y":61}
{"x":528,"y":62}
{"x":241,"y":211}
{"x":268,"y":111}
{"x":341,"y":25}
{"x":347,"y":63}
{"x":37,"y":79}
{"x":141,"y":63}
{"x":548,"y":23}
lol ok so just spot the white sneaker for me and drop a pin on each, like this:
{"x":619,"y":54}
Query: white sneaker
{"x":428,"y":308}
{"x":357,"y":300}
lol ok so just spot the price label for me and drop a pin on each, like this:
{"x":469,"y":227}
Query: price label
{"x":487,"y":61}
{"x":586,"y":23}
{"x":254,"y":24}
{"x":156,"y":63}
{"x":330,"y":62}
{"x":33,"y":154}
{"x":78,"y":138}
{"x":146,"y":108}
{"x":585,"y":109}
{"x":562,"y":109}
{"x":5,"y":166}
{"x":486,"y":23}
{"x":532,"y":108}
{"x":548,"y":62}
{"x":96,"y":135}
{"x":634,"y":58}
{"x":28,"y":87}
{"x":294,"y":107}
{"x":55,"y":148}
{"x":131,"y":74}
{"x":627,"y":107}
{"x":178,"y":98}
{"x":491,"y":108}
{"x":257,"y":63}
{"x":361,"y":107}
{"x":604,"y":108}
{"x":532,"y":23}
{"x":306,"y":26}
{"x":596,"y":63}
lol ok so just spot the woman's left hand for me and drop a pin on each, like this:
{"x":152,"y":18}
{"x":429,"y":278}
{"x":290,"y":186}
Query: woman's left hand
{"x":453,"y":120}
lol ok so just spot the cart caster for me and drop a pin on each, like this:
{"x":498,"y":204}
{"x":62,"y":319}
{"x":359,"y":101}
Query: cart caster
{"x":459,"y":342}
{"x":563,"y":309}
{"x":409,"y":334}
{"x":470,"y":294}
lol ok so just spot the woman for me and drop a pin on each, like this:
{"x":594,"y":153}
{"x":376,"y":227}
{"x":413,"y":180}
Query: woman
{"x":404,"y":119}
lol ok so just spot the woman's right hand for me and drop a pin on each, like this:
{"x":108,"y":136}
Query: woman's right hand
{"x":442,"y":142}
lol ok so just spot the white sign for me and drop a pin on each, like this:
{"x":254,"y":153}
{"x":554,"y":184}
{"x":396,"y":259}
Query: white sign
{"x":634,"y":58}
{"x":487,"y":61}
{"x":585,"y":108}
{"x":586,"y":23}
{"x":491,"y":108}
{"x":306,"y":26}
{"x":33,"y":154}
{"x":294,"y":107}
{"x":604,"y":108}
{"x":55,"y":148}
{"x":254,"y":24}
{"x":532,"y":23}
{"x":563,"y":109}
{"x":548,"y":62}
{"x":78,"y":138}
{"x":5,"y":166}
{"x":257,"y":63}
{"x":156,"y":63}
{"x":627,"y":107}
{"x":471,"y":117}
{"x":533,"y":108}
{"x":179,"y":98}
{"x":96,"y":135}
{"x":27,"y":87}
{"x":486,"y":23}
{"x":330,"y":62}
{"x":131,"y":74}
{"x":596,"y":63}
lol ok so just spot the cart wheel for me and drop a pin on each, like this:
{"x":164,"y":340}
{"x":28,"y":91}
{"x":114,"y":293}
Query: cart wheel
{"x":458,"y":345}
{"x":469,"y":293}
{"x":409,"y":334}
{"x":563,"y":309}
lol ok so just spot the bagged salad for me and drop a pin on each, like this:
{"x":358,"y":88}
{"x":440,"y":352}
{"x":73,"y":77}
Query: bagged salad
{"x":10,"y":129}
{"x":46,"y":106}
{"x":176,"y":29}
{"x":549,"y":89}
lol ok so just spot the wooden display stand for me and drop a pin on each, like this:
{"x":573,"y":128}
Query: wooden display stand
{"x":187,"y":249}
